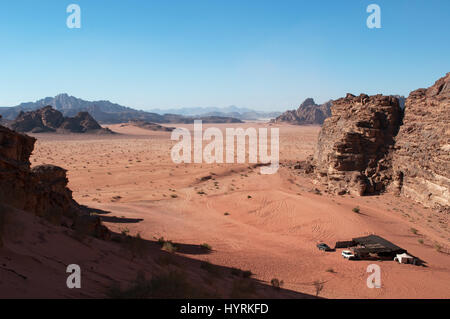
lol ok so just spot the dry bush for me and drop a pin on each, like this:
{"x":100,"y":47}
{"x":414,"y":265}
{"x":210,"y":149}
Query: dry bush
{"x":276,"y":283}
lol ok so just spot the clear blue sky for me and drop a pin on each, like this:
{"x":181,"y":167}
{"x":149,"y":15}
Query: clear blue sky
{"x":253,"y":53}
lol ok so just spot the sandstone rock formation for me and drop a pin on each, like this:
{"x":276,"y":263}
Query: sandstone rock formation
{"x":308,"y":113}
{"x":41,"y":190}
{"x":353,"y":151}
{"x":421,"y":161}
{"x":48,"y":119}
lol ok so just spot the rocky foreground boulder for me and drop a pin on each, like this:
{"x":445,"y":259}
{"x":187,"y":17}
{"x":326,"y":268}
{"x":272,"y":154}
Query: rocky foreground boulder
{"x":41,"y":190}
{"x":308,"y":113}
{"x":421,"y":161}
{"x":48,"y":119}
{"x":353,"y":151}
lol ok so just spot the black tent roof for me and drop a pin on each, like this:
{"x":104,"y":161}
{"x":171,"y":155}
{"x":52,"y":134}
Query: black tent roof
{"x":376,"y":244}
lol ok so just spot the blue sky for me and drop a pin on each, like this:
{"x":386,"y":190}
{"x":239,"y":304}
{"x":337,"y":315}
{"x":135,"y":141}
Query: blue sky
{"x":251,"y":53}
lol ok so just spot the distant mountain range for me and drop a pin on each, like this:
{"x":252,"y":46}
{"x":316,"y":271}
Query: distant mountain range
{"x":108,"y":112}
{"x":241,"y":113}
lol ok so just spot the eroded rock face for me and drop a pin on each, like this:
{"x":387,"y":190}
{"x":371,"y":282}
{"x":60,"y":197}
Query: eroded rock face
{"x":38,"y":190}
{"x":421,"y":161}
{"x":48,"y":119}
{"x":308,"y":113}
{"x":354,"y":150}
{"x":41,"y":190}
{"x":15,"y":149}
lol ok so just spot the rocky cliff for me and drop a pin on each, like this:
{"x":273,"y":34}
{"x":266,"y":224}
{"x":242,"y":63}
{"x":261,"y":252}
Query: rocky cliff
{"x":41,"y":190}
{"x":308,"y":113}
{"x":48,"y":119}
{"x":421,"y":161}
{"x":353,"y":151}
{"x":370,"y":145}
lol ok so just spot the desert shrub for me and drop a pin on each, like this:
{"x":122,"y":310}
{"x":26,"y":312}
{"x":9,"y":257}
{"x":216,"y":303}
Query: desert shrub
{"x":206,"y":246}
{"x":226,"y":213}
{"x":169,"y":247}
{"x":420,"y":241}
{"x":161,"y":241}
{"x":125,"y":232}
{"x":356,"y":209}
{"x":331,"y":270}
{"x":414,"y":231}
{"x":276,"y":283}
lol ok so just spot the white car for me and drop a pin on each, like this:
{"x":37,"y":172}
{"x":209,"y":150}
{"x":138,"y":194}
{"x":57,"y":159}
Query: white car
{"x":348,"y":254}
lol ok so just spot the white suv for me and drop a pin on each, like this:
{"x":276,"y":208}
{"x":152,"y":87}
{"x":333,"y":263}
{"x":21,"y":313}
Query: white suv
{"x":348,"y":254}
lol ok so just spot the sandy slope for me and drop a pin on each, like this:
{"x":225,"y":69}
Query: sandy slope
{"x":274,"y":221}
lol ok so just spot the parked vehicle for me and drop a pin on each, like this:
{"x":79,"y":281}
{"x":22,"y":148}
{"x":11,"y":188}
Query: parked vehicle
{"x":324,"y":247}
{"x":349,"y":255}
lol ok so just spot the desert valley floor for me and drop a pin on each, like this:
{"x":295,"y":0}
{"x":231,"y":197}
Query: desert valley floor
{"x":269,"y":224}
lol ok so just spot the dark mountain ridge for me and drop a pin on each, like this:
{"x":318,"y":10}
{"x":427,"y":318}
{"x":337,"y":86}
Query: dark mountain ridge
{"x":104,"y":111}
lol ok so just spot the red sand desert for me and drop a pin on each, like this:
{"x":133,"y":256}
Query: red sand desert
{"x":269,"y":224}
